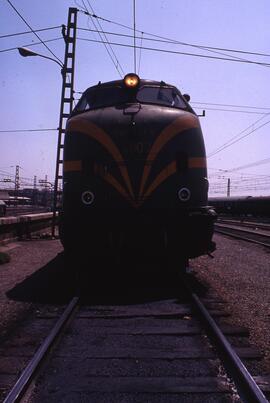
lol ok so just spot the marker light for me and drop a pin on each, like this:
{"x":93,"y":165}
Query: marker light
{"x":88,"y":197}
{"x":131,"y":80}
{"x":184,"y":194}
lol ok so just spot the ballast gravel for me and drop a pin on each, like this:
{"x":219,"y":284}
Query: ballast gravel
{"x":240,"y":274}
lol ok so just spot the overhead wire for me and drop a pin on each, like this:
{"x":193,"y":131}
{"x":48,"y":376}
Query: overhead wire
{"x":31,"y":44}
{"x":236,"y":138}
{"x":28,"y":32}
{"x":134,"y":34}
{"x":230,"y":105}
{"x":105,"y":42}
{"x":140,"y":55}
{"x":234,"y":111}
{"x":33,"y":31}
{"x":169,"y":41}
{"x":250,"y":165}
{"x":180,"y":53}
{"x":26,"y":130}
{"x":206,"y":48}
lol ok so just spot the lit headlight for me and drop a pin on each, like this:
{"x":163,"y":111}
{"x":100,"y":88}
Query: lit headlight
{"x":184,"y":194}
{"x":87,"y":197}
{"x":131,"y":80}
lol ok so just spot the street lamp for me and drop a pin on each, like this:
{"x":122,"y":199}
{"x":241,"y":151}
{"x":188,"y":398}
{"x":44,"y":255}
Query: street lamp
{"x":67,"y":71}
{"x":25,"y":52}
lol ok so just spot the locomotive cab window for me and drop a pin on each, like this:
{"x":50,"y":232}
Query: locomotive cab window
{"x":161,"y":96}
{"x":100,"y":97}
{"x":105,"y":96}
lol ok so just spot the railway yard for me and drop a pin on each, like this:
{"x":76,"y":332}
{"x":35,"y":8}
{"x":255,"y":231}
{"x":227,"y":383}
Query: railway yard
{"x":134,"y":336}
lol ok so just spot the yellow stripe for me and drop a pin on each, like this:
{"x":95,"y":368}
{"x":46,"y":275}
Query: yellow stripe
{"x":197,"y":162}
{"x":112,"y":181}
{"x":70,"y":166}
{"x":182,"y":123}
{"x":91,"y":130}
{"x":161,"y":177}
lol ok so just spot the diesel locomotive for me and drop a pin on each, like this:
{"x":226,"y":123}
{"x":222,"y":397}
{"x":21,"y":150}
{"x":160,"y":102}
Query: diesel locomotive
{"x":135,"y":175}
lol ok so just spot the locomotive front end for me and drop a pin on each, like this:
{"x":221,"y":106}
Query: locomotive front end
{"x":135,"y":177}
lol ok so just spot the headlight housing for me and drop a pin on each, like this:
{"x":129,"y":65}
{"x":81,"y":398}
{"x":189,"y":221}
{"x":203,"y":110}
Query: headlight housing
{"x":184,"y":194}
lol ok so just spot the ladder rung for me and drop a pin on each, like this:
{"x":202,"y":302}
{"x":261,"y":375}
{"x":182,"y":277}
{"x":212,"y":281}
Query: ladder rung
{"x":70,"y":54}
{"x":61,"y":146}
{"x":60,"y":177}
{"x":62,"y":130}
{"x":60,"y":161}
{"x":67,"y":85}
{"x":68,"y":70}
{"x":69,"y":100}
{"x":65,"y":115}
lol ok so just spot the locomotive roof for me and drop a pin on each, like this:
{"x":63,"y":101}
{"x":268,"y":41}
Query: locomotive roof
{"x":142,"y":83}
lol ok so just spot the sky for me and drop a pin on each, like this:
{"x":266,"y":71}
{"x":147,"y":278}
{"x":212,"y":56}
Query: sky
{"x":234,"y":94}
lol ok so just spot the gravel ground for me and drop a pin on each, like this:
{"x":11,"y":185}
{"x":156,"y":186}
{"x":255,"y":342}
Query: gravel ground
{"x":26,"y":258}
{"x":240,"y":274}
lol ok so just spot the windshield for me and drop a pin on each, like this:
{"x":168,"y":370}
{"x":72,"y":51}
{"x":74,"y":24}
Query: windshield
{"x":100,"y":97}
{"x":161,"y":96}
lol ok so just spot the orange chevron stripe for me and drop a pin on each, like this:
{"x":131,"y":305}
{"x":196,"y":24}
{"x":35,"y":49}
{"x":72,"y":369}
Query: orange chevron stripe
{"x":169,"y":170}
{"x":112,"y":181}
{"x":180,"y":124}
{"x":70,"y":166}
{"x":197,"y":162}
{"x":91,"y":130}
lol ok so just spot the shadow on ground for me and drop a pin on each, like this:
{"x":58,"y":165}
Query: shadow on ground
{"x":101,"y":282}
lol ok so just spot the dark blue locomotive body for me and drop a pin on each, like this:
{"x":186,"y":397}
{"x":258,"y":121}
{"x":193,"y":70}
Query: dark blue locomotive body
{"x":135,"y":177}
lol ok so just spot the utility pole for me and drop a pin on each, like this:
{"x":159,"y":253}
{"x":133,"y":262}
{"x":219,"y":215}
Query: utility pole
{"x":69,"y":34}
{"x":34,"y":196}
{"x":17,"y":181}
{"x":229,"y":187}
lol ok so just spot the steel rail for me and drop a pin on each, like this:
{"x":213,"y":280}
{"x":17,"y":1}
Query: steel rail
{"x":267,"y":245}
{"x":243,"y":229}
{"x":20,"y":387}
{"x":247,"y":224}
{"x":246,"y":385}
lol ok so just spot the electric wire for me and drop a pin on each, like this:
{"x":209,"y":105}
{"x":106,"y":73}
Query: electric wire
{"x":29,"y":32}
{"x":179,"y":53}
{"x":105,"y":42}
{"x":26,"y":130}
{"x":170,"y":41}
{"x":140,"y":55}
{"x":234,"y":111}
{"x":17,"y":12}
{"x":250,"y":165}
{"x":30,"y":44}
{"x":230,"y":105}
{"x":236,"y":138}
{"x":134,"y":34}
{"x":206,"y":48}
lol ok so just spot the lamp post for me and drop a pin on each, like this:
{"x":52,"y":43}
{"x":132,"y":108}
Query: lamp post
{"x":67,"y":71}
{"x":25,"y":52}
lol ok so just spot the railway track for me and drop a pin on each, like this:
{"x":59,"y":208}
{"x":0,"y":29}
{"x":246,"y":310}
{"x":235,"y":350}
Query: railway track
{"x":162,"y":350}
{"x":255,"y":224}
{"x":258,"y":233}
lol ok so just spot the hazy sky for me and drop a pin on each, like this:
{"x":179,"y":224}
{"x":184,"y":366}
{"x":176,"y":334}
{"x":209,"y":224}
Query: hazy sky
{"x":30,"y":87}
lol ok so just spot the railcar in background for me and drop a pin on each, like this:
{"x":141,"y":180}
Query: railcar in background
{"x":135,"y":175}
{"x":242,"y":205}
